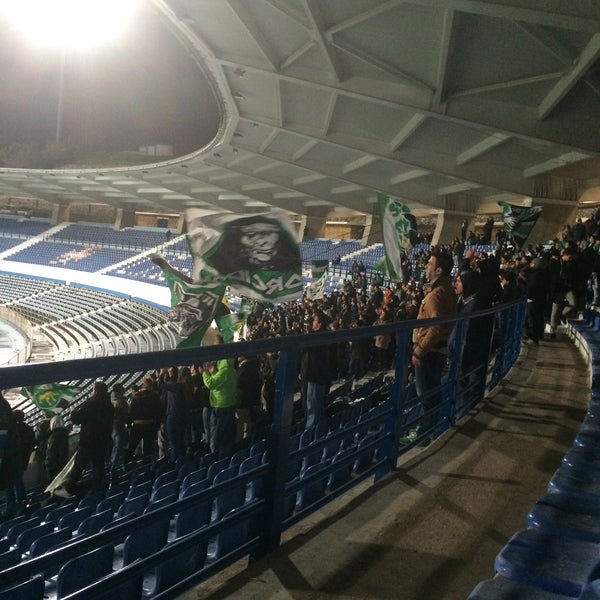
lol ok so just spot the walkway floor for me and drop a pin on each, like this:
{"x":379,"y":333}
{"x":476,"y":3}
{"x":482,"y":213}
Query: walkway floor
{"x":431,"y":530}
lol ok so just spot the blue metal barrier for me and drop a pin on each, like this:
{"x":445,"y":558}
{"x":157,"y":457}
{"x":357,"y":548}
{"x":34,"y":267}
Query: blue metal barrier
{"x":368,"y":439}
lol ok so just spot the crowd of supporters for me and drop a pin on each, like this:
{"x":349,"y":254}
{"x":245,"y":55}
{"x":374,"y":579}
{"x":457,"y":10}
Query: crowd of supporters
{"x":214,"y":406}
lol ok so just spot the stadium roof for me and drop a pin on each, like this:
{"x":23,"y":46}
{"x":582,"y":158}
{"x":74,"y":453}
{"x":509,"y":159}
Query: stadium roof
{"x":443,"y":104}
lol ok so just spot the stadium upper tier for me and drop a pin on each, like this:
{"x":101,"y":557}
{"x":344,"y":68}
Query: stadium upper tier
{"x":124,"y":254}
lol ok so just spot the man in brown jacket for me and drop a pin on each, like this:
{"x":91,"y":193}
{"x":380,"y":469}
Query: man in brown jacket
{"x":430,"y":344}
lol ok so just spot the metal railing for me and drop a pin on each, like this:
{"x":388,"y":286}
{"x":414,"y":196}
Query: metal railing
{"x":379,"y":420}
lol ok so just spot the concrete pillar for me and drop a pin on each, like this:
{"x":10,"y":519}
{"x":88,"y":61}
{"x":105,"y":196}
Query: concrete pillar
{"x":61,"y":213}
{"x":551,"y":221}
{"x":181,"y":223}
{"x":124,"y":218}
{"x":372,"y":232}
{"x":448,"y":226}
{"x":312,"y":227}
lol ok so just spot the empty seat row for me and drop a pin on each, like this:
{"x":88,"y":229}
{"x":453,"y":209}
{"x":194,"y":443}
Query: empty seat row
{"x":558,"y":555}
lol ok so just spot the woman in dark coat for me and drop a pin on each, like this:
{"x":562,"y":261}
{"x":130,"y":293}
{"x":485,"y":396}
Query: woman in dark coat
{"x":57,"y":447}
{"x":95,"y":416}
{"x":9,"y":448}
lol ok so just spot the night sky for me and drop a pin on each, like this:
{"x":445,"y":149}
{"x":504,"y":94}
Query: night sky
{"x":143,"y":89}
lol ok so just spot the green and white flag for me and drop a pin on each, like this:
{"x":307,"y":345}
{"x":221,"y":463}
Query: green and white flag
{"x":51,"y":398}
{"x":519,"y":221}
{"x":194,"y":305}
{"x":399,"y":228}
{"x":257,"y":256}
{"x":229,"y":325}
{"x":316,"y":288}
{"x":381,"y":265}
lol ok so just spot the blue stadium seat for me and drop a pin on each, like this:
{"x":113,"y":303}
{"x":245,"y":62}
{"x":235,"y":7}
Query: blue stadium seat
{"x":91,"y":499}
{"x":582,"y":458}
{"x":312,"y":490}
{"x":505,"y":589}
{"x":185,"y":465}
{"x":27,"y":537}
{"x":111,"y":502}
{"x":10,"y":558}
{"x":591,"y":589}
{"x":145,"y":541}
{"x":6,"y":525}
{"x":254,"y":489}
{"x":364,"y":454}
{"x":15,"y":531}
{"x":84,"y":570}
{"x":566,"y":515}
{"x":577,"y":481}
{"x":56,"y":514}
{"x":165,"y":477}
{"x":196,"y":516}
{"x":343,"y":472}
{"x":552,"y":563}
{"x":32,"y":589}
{"x":42,"y":511}
{"x":141,"y":475}
{"x":49,"y":541}
{"x":94,"y":523}
{"x":193,"y":478}
{"x":258,"y":448}
{"x":73,"y":519}
{"x":133,"y":506}
{"x":208,"y":459}
{"x":232,"y":537}
{"x":239,"y":456}
{"x":167,"y":490}
{"x":216,"y":467}
{"x":140,"y":489}
{"x":174,"y":570}
{"x":158,"y":504}
{"x":311,"y":456}
{"x":230,"y":498}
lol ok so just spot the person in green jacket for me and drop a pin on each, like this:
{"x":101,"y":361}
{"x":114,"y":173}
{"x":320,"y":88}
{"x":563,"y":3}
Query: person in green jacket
{"x":221,"y":380}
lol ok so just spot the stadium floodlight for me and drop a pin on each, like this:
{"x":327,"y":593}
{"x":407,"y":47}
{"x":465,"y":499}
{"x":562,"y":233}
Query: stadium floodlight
{"x":69,"y":23}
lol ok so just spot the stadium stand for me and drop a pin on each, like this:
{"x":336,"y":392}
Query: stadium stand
{"x":232,"y":494}
{"x":216,"y":510}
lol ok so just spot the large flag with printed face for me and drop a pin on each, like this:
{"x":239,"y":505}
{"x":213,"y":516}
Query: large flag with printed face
{"x":399,"y":228}
{"x":519,"y":221}
{"x":316,"y":288}
{"x":51,"y":398}
{"x":257,"y":256}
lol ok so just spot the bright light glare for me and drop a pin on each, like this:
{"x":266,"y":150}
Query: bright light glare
{"x":70,"y":23}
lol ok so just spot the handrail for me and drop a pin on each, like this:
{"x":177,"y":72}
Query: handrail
{"x":456,"y":401}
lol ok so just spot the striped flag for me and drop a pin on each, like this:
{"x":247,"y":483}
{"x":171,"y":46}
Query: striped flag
{"x":399,"y":228}
{"x":519,"y":221}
